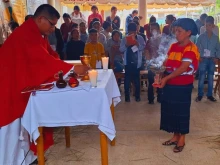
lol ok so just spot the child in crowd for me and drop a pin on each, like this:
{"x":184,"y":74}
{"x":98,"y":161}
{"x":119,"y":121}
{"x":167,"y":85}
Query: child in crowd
{"x":209,"y":47}
{"x":153,"y":47}
{"x":141,"y":28}
{"x":74,"y":26}
{"x":95,"y":14}
{"x":132,"y":60}
{"x":91,"y":23}
{"x":113,"y":45}
{"x":83,"y":33}
{"x":97,"y":25}
{"x":169,"y":20}
{"x":101,"y":37}
{"x":94,"y":49}
{"x":75,"y":47}
{"x":139,"y":32}
{"x":107,"y":29}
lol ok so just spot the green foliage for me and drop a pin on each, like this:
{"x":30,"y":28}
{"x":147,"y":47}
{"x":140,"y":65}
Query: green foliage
{"x":217,"y":5}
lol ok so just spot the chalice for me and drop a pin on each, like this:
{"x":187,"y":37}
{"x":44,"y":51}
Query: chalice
{"x":86,"y":62}
{"x":158,"y":71}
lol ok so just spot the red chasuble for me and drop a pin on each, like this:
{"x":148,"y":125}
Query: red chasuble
{"x":26,"y":59}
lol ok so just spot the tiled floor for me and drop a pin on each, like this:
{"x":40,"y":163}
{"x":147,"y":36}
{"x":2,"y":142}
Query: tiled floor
{"x":139,"y":138}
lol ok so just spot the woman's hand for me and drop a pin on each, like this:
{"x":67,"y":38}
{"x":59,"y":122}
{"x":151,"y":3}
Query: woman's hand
{"x":183,"y":67}
{"x":163,"y":82}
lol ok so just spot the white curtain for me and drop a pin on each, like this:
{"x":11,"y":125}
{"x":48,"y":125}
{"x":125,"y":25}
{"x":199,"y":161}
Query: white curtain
{"x":32,"y":5}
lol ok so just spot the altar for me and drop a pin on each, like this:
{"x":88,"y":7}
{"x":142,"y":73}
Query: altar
{"x":72,"y":107}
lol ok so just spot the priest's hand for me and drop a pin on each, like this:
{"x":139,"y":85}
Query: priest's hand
{"x":81,"y":69}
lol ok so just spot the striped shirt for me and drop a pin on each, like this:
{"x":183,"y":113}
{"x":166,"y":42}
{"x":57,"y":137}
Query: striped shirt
{"x":178,"y":54}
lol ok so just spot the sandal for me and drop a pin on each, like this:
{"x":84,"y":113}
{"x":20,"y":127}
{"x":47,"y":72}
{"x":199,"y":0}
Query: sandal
{"x":169,"y":143}
{"x":178,"y":148}
{"x":35,"y":162}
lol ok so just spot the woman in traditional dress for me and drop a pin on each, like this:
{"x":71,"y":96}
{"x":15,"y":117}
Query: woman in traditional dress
{"x":177,"y":84}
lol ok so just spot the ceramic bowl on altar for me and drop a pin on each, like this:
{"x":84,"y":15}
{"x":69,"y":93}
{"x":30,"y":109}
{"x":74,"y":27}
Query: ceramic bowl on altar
{"x":73,"y":82}
{"x":73,"y":74}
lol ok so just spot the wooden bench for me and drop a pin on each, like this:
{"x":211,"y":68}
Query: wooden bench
{"x":143,"y":76}
{"x":217,"y":78}
{"x":119,"y":75}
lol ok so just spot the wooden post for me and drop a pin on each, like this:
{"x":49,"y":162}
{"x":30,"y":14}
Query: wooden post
{"x":113,"y":116}
{"x":40,"y":147}
{"x":103,"y":14}
{"x":67,"y":136}
{"x":142,"y":4}
{"x":51,"y":2}
{"x":104,"y":148}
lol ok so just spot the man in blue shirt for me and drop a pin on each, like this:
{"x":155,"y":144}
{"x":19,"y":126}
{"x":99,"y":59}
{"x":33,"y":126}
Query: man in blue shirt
{"x":132,"y":60}
{"x":209,"y":47}
{"x":201,"y":22}
{"x":129,"y":19}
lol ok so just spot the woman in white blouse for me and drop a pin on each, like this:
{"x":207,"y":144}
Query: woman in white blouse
{"x":77,"y":16}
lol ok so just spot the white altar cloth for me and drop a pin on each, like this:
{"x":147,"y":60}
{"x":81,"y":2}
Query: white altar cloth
{"x":14,"y":151}
{"x":74,"y":107}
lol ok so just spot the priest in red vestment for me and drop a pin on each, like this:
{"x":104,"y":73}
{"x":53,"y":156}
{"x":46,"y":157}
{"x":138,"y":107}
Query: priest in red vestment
{"x":26,"y":59}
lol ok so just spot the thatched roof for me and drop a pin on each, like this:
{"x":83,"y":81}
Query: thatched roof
{"x":151,"y":2}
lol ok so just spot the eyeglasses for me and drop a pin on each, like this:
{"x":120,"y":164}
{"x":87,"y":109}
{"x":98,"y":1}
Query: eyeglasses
{"x":51,"y":24}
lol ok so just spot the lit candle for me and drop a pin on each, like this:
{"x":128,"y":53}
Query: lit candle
{"x":93,"y":75}
{"x":105,"y":63}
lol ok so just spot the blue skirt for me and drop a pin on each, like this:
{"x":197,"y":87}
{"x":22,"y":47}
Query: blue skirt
{"x":175,"y":108}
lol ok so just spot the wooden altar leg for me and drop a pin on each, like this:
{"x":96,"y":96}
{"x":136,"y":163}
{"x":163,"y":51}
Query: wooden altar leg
{"x":113,"y":116}
{"x":40,"y":147}
{"x":104,"y":148}
{"x":67,"y":136}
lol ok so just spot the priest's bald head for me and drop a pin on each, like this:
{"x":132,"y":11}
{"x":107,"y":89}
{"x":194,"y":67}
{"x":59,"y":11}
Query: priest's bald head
{"x":46,"y":17}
